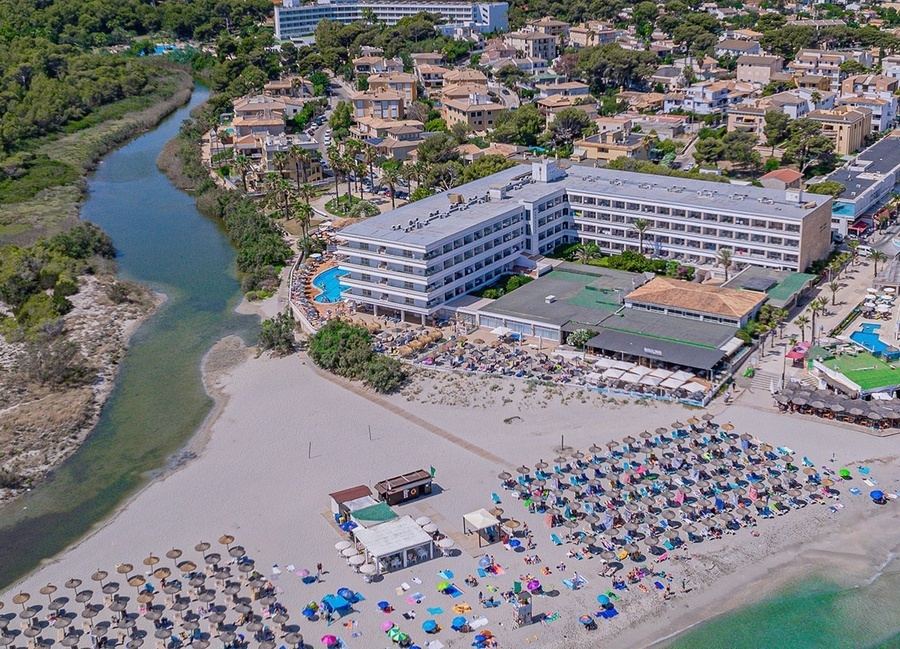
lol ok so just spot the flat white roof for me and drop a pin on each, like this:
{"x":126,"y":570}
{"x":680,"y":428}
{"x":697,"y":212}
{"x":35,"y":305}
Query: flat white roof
{"x":392,"y":537}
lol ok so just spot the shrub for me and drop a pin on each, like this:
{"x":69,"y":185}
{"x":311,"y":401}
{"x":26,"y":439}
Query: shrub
{"x":346,"y":350}
{"x":493,"y":293}
{"x":277,"y":334}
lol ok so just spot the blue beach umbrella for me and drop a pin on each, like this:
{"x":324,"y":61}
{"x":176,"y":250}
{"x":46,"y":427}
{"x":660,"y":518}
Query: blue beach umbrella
{"x":603,"y":600}
{"x":458,"y":623}
{"x":429,"y":625}
{"x":877,"y":495}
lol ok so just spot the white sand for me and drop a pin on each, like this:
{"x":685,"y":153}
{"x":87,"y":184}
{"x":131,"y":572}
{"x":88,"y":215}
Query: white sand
{"x":254,"y":479}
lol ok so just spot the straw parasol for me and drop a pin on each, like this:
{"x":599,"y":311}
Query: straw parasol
{"x":187,"y":566}
{"x":504,"y":475}
{"x":47,"y":590}
{"x":124,"y":568}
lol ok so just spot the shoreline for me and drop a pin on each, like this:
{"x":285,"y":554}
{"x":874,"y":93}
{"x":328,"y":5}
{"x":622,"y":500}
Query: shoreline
{"x":123,"y":130}
{"x":723,"y":576}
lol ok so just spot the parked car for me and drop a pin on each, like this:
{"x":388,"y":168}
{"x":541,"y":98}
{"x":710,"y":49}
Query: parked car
{"x":865,"y":251}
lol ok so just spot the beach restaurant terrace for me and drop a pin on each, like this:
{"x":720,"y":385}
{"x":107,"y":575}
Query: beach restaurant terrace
{"x":395,"y":544}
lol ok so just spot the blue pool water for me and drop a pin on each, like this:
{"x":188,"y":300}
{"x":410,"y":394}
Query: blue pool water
{"x":328,"y":281}
{"x":867,"y":336}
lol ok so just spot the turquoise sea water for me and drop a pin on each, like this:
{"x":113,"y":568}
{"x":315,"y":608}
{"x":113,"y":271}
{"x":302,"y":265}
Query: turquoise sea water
{"x":811,"y":614}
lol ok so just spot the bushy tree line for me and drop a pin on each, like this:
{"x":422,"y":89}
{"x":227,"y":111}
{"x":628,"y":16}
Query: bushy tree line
{"x":346,"y":350}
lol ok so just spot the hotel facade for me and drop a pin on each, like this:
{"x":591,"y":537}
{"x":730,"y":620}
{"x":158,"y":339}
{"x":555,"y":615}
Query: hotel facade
{"x":417,"y":258}
{"x":295,"y":20}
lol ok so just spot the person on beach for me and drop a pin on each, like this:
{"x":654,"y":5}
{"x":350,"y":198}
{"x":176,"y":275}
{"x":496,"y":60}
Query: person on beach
{"x":318,"y":570}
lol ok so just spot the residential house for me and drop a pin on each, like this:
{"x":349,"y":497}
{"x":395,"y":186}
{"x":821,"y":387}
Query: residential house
{"x":283,"y":87}
{"x":386,"y":104}
{"x":567,"y":88}
{"x":610,"y":145}
{"x":782,"y":179}
{"x":401,"y":82}
{"x":847,"y":127}
{"x":811,"y":81}
{"x":310,"y":171}
{"x":642,"y":101}
{"x":462,"y":91}
{"x":743,"y":34}
{"x":465,"y":76}
{"x":431,"y":76}
{"x":477,"y":110}
{"x":890,"y":66}
{"x":376,"y":65}
{"x":827,"y":63}
{"x":258,"y":115}
{"x":665,"y":126}
{"x":758,"y":68}
{"x":736,"y":48}
{"x":427,"y":58}
{"x":533,"y":44}
{"x":669,"y":77}
{"x":751,"y":115}
{"x":495,"y":50}
{"x":592,"y":34}
{"x":552,"y":105}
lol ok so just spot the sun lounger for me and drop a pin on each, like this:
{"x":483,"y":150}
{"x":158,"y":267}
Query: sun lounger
{"x":556,"y":540}
{"x":495,"y":498}
{"x":482,"y":573}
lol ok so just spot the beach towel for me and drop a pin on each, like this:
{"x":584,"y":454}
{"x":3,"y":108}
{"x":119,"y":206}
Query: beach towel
{"x":416,"y":580}
{"x":453,"y":591}
{"x":658,"y":585}
{"x":478,"y":622}
{"x":356,"y":634}
{"x":612,"y":595}
{"x":446,"y":574}
{"x":482,"y":573}
{"x":855,"y":491}
{"x":436,"y":610}
{"x":551,"y":617}
{"x":462,"y":608}
{"x":556,"y":540}
{"x":864,"y":470}
{"x":643,"y":588}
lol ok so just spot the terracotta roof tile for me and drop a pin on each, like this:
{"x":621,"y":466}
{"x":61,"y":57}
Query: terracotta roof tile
{"x":699,"y":298}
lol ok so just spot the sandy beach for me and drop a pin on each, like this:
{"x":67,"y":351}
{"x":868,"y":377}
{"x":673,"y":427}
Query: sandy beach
{"x":285,"y":435}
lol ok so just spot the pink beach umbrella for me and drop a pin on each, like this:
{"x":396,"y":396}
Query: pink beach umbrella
{"x":387,"y":625}
{"x":329,"y":640}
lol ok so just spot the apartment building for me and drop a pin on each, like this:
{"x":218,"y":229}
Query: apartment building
{"x":869,"y":179}
{"x":847,"y":127}
{"x":294,"y":19}
{"x":478,"y":111}
{"x":309,"y":171}
{"x":826,"y":63}
{"x":533,"y":44}
{"x":567,"y":89}
{"x":465,"y":76}
{"x":551,"y":27}
{"x":751,"y":115}
{"x":708,"y":98}
{"x":427,"y":58}
{"x":758,"y":68}
{"x":400,"y":82}
{"x":413,"y":260}
{"x":385,"y":104}
{"x":883,"y":111}
{"x":877,"y":93}
{"x":431,"y":76}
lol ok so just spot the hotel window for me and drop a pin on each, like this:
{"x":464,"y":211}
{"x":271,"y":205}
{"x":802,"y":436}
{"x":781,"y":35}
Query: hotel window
{"x":619,"y":205}
{"x":741,"y":236}
{"x":677,"y":212}
{"x":726,"y":219}
{"x":710,"y":217}
{"x":693,"y":215}
{"x":741,"y":221}
{"x":792,"y":227}
{"x":634,"y":207}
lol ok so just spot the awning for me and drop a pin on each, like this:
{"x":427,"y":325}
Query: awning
{"x":666,"y":351}
{"x":796,"y":354}
{"x":393,"y":537}
{"x":480,"y":520}
{"x":859,"y":226}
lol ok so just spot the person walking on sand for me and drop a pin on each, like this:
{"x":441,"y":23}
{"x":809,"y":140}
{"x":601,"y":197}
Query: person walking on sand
{"x":318,"y":571}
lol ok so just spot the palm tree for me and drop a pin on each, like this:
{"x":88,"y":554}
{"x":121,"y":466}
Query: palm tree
{"x":370,"y":155}
{"x":279,"y":193}
{"x":801,"y":321}
{"x":334,"y":157}
{"x":301,"y":159}
{"x":641,"y":225}
{"x":854,"y":245}
{"x":834,"y":287}
{"x":242,"y":166}
{"x":304,"y":214}
{"x":834,"y":269}
{"x":409,"y":173}
{"x":586,"y":252}
{"x":390,"y":175}
{"x":280,"y":160}
{"x":812,"y":310}
{"x":876,"y":256}
{"x":723,"y":259}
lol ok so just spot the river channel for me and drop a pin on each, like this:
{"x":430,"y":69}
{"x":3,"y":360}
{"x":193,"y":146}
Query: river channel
{"x":158,"y":400}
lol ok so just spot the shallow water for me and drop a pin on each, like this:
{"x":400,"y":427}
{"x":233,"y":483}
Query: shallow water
{"x":812,"y":613}
{"x":158,"y":400}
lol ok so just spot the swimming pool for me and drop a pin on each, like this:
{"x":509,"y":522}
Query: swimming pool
{"x":329,"y":282}
{"x":867,"y":336}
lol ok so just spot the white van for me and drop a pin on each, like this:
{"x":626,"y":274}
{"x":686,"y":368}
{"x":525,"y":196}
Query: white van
{"x":864,"y":251}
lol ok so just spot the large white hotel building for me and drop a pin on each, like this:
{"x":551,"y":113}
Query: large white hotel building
{"x":295,"y":19}
{"x":413,"y":260}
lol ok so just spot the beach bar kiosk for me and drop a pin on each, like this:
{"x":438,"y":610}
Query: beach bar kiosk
{"x":403,"y":488}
